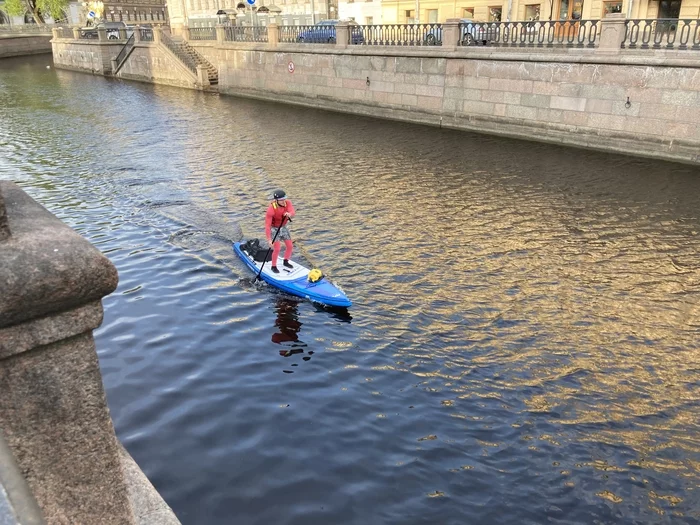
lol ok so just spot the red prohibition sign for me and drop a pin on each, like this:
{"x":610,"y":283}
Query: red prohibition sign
{"x":290,"y":67}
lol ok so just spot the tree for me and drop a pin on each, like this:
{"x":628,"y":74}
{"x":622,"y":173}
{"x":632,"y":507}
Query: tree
{"x":36,"y":8}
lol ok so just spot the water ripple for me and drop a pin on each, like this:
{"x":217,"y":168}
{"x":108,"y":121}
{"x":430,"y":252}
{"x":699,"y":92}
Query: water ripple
{"x":522,"y":346}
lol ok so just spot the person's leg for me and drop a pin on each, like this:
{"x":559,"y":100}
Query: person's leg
{"x":288,"y":246}
{"x":276,"y":247}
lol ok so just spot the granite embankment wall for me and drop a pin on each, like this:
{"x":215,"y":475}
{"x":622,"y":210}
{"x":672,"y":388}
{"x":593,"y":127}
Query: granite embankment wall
{"x":640,"y":102}
{"x":13,"y":45}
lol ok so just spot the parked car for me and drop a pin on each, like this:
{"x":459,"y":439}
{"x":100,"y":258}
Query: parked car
{"x":325,"y":32}
{"x":473,"y":33}
{"x":112,"y":29}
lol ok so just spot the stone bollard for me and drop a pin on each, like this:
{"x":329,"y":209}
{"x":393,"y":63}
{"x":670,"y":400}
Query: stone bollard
{"x":56,"y":32}
{"x":122,"y":33}
{"x":450,"y":33}
{"x":342,"y":35}
{"x":137,"y":33}
{"x":157,"y":35}
{"x":53,"y":411}
{"x":273,"y":35}
{"x":76,"y":33}
{"x":115,"y":65}
{"x":202,"y":76}
{"x":186,"y":33}
{"x":102,"y":34}
{"x":612,"y":33}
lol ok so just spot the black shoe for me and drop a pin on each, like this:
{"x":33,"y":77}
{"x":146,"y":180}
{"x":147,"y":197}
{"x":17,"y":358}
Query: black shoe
{"x":275,"y":270}
{"x":287,"y":264}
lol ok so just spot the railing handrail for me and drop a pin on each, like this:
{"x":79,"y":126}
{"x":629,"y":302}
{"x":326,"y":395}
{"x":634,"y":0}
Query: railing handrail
{"x":246,"y":34}
{"x":674,"y":33}
{"x":429,"y":34}
{"x":174,"y":48}
{"x":125,"y":51}
{"x":531,"y":33}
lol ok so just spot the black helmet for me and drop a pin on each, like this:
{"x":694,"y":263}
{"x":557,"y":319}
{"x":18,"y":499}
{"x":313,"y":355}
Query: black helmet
{"x":279,"y":194}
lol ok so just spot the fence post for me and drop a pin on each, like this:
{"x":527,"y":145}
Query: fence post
{"x":137,"y":34}
{"x":122,"y":34}
{"x":612,"y":33}
{"x":102,"y":34}
{"x":220,"y":33}
{"x":273,"y":35}
{"x":55,"y":32}
{"x":342,"y":35}
{"x":157,"y":34}
{"x":186,"y":33}
{"x":76,"y":33}
{"x":450,"y":33}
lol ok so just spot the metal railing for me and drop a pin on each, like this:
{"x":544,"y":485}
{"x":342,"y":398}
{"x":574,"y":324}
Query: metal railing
{"x":125,"y":51}
{"x":397,"y":35}
{"x":246,"y":34}
{"x":177,"y":50}
{"x":202,"y":33}
{"x":662,"y":33}
{"x":318,"y":34}
{"x":547,"y":33}
{"x":146,"y":34}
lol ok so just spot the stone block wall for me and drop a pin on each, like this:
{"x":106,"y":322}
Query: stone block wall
{"x":636,"y":105}
{"x":21,"y":45}
{"x":152,"y":63}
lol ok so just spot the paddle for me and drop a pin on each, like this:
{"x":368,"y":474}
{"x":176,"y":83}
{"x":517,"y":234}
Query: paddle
{"x":289,"y":219}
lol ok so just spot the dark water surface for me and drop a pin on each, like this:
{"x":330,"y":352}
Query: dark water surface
{"x":524,"y":345}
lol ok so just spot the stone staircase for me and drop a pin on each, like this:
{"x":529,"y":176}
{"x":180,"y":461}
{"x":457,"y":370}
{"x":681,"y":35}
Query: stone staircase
{"x":190,"y":58}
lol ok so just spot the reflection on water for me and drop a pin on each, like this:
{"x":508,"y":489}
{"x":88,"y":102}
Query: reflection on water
{"x":522,"y":348}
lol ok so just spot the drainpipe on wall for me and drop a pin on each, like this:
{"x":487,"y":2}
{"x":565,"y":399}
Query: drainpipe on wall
{"x":416,"y":20}
{"x":629,"y":9}
{"x":313,"y":13}
{"x":510,"y":8}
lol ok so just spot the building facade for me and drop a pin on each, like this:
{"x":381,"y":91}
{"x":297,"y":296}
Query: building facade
{"x":361,"y":11}
{"x":203,"y":13}
{"x":433,"y":11}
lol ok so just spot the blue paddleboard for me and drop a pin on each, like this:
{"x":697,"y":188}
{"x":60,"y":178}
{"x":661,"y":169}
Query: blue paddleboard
{"x":294,"y":281}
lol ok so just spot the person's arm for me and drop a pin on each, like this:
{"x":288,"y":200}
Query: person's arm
{"x":268,"y":223}
{"x":290,"y":209}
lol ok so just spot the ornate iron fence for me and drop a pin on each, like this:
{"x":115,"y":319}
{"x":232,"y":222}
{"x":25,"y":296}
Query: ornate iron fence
{"x":246,"y":34}
{"x":318,"y":34}
{"x":397,"y":35}
{"x":202,"y":33}
{"x":548,"y":33}
{"x":662,"y":33}
{"x":146,"y":34}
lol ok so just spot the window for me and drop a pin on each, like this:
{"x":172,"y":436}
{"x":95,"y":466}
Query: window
{"x":495,"y":14}
{"x":369,"y":20}
{"x":410,"y":16}
{"x":468,"y":12}
{"x":432,"y":16}
{"x":532,"y":12}
{"x":611,"y":7}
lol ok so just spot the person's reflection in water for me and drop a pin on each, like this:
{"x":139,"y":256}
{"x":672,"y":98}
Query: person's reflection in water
{"x":288,"y":327}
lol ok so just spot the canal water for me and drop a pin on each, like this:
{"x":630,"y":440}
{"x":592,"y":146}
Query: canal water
{"x":523,"y":346}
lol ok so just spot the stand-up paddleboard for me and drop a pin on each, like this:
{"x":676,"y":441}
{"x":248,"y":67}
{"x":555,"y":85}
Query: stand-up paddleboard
{"x":294,"y":280}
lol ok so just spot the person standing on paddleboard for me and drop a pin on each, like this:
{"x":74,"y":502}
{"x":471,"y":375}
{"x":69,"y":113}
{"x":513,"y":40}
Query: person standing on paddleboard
{"x":278,"y":215}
